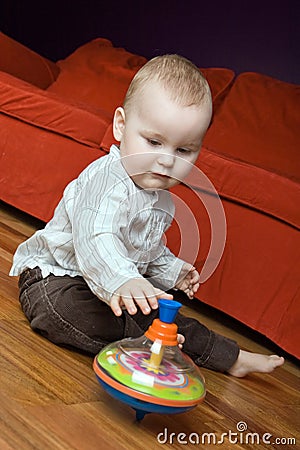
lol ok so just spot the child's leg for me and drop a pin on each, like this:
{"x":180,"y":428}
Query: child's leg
{"x":222,"y":354}
{"x":65,"y":311}
{"x":209,"y":349}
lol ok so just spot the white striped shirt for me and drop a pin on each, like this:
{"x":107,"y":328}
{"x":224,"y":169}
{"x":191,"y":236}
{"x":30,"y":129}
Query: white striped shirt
{"x":107,"y":230}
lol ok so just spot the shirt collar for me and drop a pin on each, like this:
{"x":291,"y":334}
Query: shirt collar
{"x":115,"y":152}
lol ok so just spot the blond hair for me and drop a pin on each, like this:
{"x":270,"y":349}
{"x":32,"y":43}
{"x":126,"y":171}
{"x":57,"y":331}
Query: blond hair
{"x":183,"y":81}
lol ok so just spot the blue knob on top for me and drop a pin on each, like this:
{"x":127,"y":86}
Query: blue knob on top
{"x":168,"y":310}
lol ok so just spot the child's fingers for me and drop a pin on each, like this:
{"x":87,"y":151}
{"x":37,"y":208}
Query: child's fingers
{"x":180,"y":338}
{"x":127,"y":301}
{"x":150,"y":295}
{"x":194,"y":275}
{"x":191,"y":290}
{"x":141,"y":297}
{"x":190,"y":294}
{"x":196,"y":287}
{"x":115,"y":304}
{"x":162,"y":294}
{"x":145,"y":297}
{"x":136,"y":296}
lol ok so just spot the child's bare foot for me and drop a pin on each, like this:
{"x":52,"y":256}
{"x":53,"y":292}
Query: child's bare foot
{"x":254,"y":362}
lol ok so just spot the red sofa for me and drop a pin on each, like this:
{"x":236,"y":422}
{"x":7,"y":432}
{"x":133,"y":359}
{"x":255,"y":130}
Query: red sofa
{"x":56,"y":118}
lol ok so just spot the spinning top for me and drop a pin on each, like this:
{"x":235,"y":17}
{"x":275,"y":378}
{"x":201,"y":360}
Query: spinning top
{"x":151,"y":373}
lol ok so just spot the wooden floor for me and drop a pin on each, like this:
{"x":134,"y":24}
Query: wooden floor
{"x":50,"y":399}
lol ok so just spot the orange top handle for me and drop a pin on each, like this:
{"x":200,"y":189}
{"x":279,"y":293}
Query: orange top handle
{"x":163,"y":328}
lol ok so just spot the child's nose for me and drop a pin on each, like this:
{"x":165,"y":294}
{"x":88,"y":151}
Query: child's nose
{"x":165,"y":159}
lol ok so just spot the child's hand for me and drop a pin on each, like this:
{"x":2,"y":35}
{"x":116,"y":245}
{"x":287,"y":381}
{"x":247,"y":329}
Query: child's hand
{"x":137,"y":291}
{"x":188,"y":280}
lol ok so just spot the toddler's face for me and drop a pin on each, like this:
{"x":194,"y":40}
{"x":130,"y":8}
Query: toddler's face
{"x":159,"y":139}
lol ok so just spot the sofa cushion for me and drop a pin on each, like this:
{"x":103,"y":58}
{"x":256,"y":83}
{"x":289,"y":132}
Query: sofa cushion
{"x":251,"y":151}
{"x":40,"y":108}
{"x":219,"y":80}
{"x":20,"y":61}
{"x":97,"y":74}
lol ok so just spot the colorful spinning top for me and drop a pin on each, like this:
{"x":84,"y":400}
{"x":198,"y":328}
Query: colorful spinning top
{"x":151,"y":373}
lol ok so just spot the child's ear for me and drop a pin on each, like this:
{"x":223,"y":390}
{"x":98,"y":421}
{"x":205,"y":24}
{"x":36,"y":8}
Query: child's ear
{"x":119,"y":123}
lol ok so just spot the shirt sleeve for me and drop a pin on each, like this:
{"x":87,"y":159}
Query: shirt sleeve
{"x":164,"y":270}
{"x":100,"y":213}
{"x":165,"y":267}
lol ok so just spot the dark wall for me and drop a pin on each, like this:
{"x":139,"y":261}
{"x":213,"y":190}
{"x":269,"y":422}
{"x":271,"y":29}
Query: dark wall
{"x":245,"y":35}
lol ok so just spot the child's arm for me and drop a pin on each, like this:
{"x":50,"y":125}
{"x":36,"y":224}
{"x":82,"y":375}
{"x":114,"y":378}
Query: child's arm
{"x":136,"y":292}
{"x":165,"y":269}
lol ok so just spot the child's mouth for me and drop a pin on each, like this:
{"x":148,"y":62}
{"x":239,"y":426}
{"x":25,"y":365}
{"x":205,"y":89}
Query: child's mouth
{"x":160,"y":175}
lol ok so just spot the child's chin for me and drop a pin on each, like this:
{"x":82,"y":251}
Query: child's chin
{"x":151,"y":183}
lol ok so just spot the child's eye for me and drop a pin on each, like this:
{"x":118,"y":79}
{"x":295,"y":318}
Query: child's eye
{"x":183,"y":151}
{"x":153,"y":142}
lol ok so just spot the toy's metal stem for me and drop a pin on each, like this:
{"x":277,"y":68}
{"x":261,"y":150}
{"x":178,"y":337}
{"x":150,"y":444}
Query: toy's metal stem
{"x":163,"y":331}
{"x":157,"y":353}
